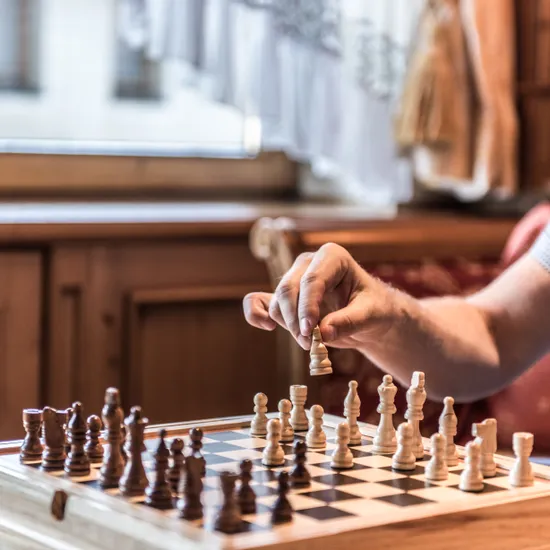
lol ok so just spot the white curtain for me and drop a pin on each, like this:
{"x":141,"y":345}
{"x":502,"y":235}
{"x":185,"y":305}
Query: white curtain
{"x":320,"y":76}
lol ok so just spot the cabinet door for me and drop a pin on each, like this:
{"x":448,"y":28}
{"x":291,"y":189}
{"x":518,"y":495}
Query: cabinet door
{"x":20,"y":313}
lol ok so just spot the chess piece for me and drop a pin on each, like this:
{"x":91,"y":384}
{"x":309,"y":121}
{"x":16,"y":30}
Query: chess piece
{"x":416,"y":397}
{"x":436,"y":469}
{"x":385,"y":441}
{"x":273,"y":454}
{"x":404,"y":458}
{"x":287,"y":432}
{"x":319,"y":364}
{"x":342,"y":457}
{"x":94,"y":448}
{"x":113,"y":463}
{"x":69,"y":413}
{"x":31,"y":448}
{"x":282,"y":509}
{"x":173,"y":474}
{"x":298,"y":417}
{"x":485,"y":435}
{"x":228,"y":519}
{"x":471,"y":478}
{"x":246,"y":496}
{"x":300,"y":476}
{"x":125,"y":443}
{"x":258,"y":426}
{"x":189,"y":504}
{"x":195,"y":442}
{"x":77,"y":462}
{"x":352,"y":407}
{"x":448,"y":425}
{"x":134,"y":479}
{"x":316,"y":437}
{"x":159,"y":494}
{"x":53,"y":455}
{"x":521,"y":474}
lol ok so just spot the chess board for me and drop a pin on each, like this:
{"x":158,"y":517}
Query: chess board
{"x":339,"y":508}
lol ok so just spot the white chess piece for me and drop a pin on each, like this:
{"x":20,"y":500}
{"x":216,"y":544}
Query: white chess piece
{"x":258,"y":426}
{"x":319,"y":362}
{"x":342,"y":457}
{"x":485,"y":435}
{"x":352,"y":408}
{"x":273,"y":454}
{"x":298,"y":417}
{"x":287,"y":432}
{"x":385,"y":441}
{"x":521,"y":474}
{"x":448,"y":425}
{"x":316,"y":437}
{"x":471,"y":478}
{"x":416,"y":397}
{"x":436,"y":469}
{"x":404,"y":458}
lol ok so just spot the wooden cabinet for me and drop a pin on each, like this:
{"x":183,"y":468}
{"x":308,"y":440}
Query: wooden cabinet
{"x":20,"y":337}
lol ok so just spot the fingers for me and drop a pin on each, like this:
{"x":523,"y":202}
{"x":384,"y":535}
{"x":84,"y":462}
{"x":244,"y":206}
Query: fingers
{"x":348,"y":321}
{"x":256,"y":310}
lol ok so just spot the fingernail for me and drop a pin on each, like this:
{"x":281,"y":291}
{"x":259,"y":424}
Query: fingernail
{"x":329,"y":333}
{"x":305,"y":327}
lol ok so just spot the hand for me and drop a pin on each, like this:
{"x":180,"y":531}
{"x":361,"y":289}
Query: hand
{"x":326,"y":288}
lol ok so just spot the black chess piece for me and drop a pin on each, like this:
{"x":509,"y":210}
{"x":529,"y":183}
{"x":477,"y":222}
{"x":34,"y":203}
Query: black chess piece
{"x":159,"y":494}
{"x":94,"y":448}
{"x":300,"y":476}
{"x":113,"y":463}
{"x":125,"y":443}
{"x":228,"y":518}
{"x":53,"y":456}
{"x":173,"y":473}
{"x":195,"y":436}
{"x":246,"y":496}
{"x":77,"y":462}
{"x":31,"y":448}
{"x":189,"y":504}
{"x":134,"y":479}
{"x":282,"y":509}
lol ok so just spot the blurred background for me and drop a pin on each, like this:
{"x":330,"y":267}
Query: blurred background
{"x":159,"y":159}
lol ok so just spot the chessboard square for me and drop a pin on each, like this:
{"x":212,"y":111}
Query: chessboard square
{"x":406,"y":483}
{"x":325,"y":513}
{"x":297,"y":501}
{"x":241,"y":454}
{"x":314,"y":457}
{"x":264,"y":475}
{"x":215,"y":460}
{"x":374,"y":475}
{"x":249,"y":443}
{"x":228,"y":436}
{"x":438,"y":494}
{"x":371,"y":491}
{"x":498,"y":481}
{"x":365,"y":507}
{"x":218,"y":447}
{"x":312,"y":487}
{"x":262,"y":490}
{"x":405,"y":499}
{"x":229,"y":466}
{"x":336,"y":479}
{"x":330,"y":495}
{"x":452,"y":479}
{"x":365,"y":448}
{"x":375,"y":461}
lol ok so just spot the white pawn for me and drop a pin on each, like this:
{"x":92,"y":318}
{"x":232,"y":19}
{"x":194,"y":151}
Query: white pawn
{"x":436,"y":469}
{"x":352,"y":407}
{"x":342,"y":457}
{"x":258,"y":426}
{"x":273,"y":454}
{"x":319,"y":362}
{"x":471,"y":478}
{"x":316,"y":437}
{"x":287,"y":432}
{"x":485,"y":434}
{"x":298,"y":416}
{"x":385,"y":441}
{"x":448,"y":425}
{"x":521,"y":474}
{"x":416,"y":397}
{"x":404,"y":458}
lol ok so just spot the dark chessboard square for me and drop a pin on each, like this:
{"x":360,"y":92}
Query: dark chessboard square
{"x":336,"y":479}
{"x":263,"y":476}
{"x":220,"y":447}
{"x":264,"y":490}
{"x":354,"y":468}
{"x":323,"y":513}
{"x":329,"y":495}
{"x":217,"y":459}
{"x":404,"y":499}
{"x":227,"y":436}
{"x":405,"y":483}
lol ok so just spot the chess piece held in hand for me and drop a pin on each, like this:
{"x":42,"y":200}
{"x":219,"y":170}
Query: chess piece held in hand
{"x":319,"y":364}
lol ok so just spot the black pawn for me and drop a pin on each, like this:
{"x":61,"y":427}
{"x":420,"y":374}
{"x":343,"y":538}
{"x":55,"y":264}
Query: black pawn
{"x":31,"y":449}
{"x":94,"y":448}
{"x":282,"y":510}
{"x":77,"y":462}
{"x":189,"y":504}
{"x":246,"y":496}
{"x":53,"y":433}
{"x":159,"y":494}
{"x":228,"y":519}
{"x":134,"y":479}
{"x":196,"y":445}
{"x":300,"y":476}
{"x":174,"y":471}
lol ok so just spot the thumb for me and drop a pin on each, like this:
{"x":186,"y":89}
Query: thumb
{"x":346,"y":322}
